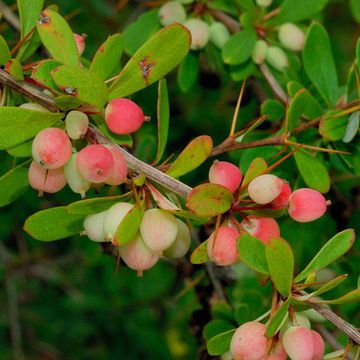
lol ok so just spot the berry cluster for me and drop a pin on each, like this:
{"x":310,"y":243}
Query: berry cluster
{"x":296,"y":340}
{"x":160,"y":234}
{"x":267,"y":192}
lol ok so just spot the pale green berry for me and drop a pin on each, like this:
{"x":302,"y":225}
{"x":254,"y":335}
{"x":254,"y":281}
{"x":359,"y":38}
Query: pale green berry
{"x":77,"y":183}
{"x":113,"y":218}
{"x":200,"y":33}
{"x":76,"y":123}
{"x":171,"y":12}
{"x":219,"y":34}
{"x":158,"y":229}
{"x":264,"y":3}
{"x":277,"y":58}
{"x":33,"y":106}
{"x":259,"y":52}
{"x":291,"y":37}
{"x":93,"y":226}
{"x":182,"y":242}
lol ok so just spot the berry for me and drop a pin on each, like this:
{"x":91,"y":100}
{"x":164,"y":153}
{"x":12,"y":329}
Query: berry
{"x":223,"y":250}
{"x":298,"y":343}
{"x":76,"y":124}
{"x":282,"y":201}
{"x":158,"y":229}
{"x":171,"y":12}
{"x":94,"y":226}
{"x":43,"y":180}
{"x":80,"y":43}
{"x":299,"y":319}
{"x":200,"y":33}
{"x":137,"y":256}
{"x":277,"y":58}
{"x":51,"y":148}
{"x":219,"y":34}
{"x":33,"y":106}
{"x":259,"y":52}
{"x":291,"y":37}
{"x":123,"y":116}
{"x":307,"y":205}
{"x":225,"y":174}
{"x":113,"y":218}
{"x":265,"y":188}
{"x":95,"y":163}
{"x":277,"y":352}
{"x":319,"y":345}
{"x":182,"y":242}
{"x":264,"y":3}
{"x":119,"y":173}
{"x":77,"y":183}
{"x":249,"y":342}
{"x":263,"y":228}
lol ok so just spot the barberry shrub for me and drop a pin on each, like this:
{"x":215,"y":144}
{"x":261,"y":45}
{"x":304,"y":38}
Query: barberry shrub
{"x":231,"y":187}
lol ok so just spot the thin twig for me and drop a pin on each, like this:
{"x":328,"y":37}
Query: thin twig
{"x":9,"y":16}
{"x":275,"y":86}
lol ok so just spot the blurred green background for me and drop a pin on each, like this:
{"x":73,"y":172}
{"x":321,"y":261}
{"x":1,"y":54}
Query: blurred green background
{"x":63,"y":300}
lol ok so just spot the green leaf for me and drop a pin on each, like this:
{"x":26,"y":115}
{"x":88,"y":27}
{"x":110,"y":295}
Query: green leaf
{"x":252,"y":253}
{"x":319,"y":63}
{"x":125,"y":139}
{"x":57,"y":37}
{"x":295,"y":11}
{"x":106,"y":61}
{"x":246,"y":5}
{"x":312,"y":171}
{"x":82,"y":84}
{"x":274,"y":325}
{"x":95,"y":205}
{"x":18,"y":124}
{"x":13,"y":184}
{"x":163,"y":117}
{"x":221,"y":310}
{"x":333,"y":128}
{"x":355,"y":9}
{"x":242,"y":313}
{"x":188,"y":71}
{"x":303,"y":104}
{"x":256,"y":167}
{"x":157,"y":57}
{"x":216,"y":327}
{"x":239,"y":47}
{"x":67,"y":102}
{"x":195,"y":153}
{"x":220,"y":343}
{"x":14,"y":68}
{"x":358,"y":53}
{"x":134,"y":34}
{"x":21,"y":150}
{"x":129,"y":226}
{"x":352,"y":296}
{"x":280,"y":260}
{"x":42,"y":73}
{"x":209,"y":200}
{"x":4,"y":51}
{"x":53,"y":224}
{"x":243,"y":71}
{"x":352,"y":127}
{"x":273,"y":108}
{"x":336,"y":247}
{"x":200,"y":254}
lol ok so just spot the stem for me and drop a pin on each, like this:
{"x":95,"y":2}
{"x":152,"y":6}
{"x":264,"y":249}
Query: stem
{"x":9,"y":16}
{"x":275,"y":86}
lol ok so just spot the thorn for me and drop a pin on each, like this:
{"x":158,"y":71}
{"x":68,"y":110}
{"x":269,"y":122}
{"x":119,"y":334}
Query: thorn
{"x":237,"y":108}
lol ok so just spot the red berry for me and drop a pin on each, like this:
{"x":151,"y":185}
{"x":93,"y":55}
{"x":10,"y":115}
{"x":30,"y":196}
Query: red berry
{"x":95,"y":163}
{"x":123,"y":116}
{"x":119,"y":173}
{"x":223,"y":250}
{"x":249,"y":342}
{"x":307,"y":205}
{"x":225,"y":174}
{"x":51,"y":148}
{"x":298,"y":343}
{"x":282,"y":201}
{"x":43,"y":180}
{"x":263,"y":228}
{"x":319,"y":345}
{"x":278,"y":352}
{"x":265,"y":188}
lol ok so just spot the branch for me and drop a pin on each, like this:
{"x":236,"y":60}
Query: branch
{"x":156,"y":175}
{"x":275,"y":86}
{"x":9,"y":16}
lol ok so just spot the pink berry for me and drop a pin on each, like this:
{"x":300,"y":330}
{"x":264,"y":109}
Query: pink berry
{"x":43,"y":180}
{"x":265,"y":188}
{"x":263,"y":228}
{"x":95,"y":163}
{"x":249,"y":342}
{"x":137,"y":256}
{"x":80,"y":43}
{"x":225,"y":174}
{"x":307,"y":205}
{"x":319,"y":345}
{"x":120,"y":170}
{"x":51,"y":148}
{"x":123,"y":116}
{"x":278,"y":352}
{"x":298,"y":343}
{"x":223,"y":250}
{"x":282,"y":201}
